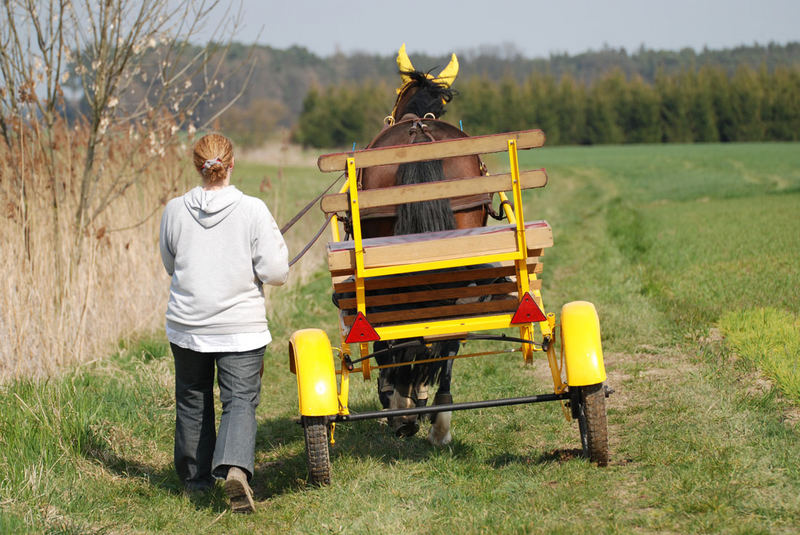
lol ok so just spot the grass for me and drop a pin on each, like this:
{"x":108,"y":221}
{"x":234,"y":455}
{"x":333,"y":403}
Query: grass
{"x":769,"y":340}
{"x":712,"y":233}
{"x":695,"y":447}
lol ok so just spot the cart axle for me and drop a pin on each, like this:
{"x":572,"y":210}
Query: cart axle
{"x":450,"y":407}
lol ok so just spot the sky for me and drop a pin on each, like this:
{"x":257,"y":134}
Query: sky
{"x":535,"y":28}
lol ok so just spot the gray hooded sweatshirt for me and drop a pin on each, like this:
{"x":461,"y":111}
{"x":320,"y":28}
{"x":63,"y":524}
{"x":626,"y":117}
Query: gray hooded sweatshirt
{"x":220,"y":247}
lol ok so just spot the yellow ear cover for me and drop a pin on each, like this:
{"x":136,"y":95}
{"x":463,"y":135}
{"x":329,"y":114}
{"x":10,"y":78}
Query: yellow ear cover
{"x":404,"y":63}
{"x":449,"y":73}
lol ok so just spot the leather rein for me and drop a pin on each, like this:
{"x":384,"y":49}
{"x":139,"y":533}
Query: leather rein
{"x":416,"y":128}
{"x":303,"y":212}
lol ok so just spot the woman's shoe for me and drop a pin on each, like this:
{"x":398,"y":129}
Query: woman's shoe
{"x":238,"y":491}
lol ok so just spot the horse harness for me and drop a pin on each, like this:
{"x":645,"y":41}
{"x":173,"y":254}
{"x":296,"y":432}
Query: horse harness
{"x":418,"y":131}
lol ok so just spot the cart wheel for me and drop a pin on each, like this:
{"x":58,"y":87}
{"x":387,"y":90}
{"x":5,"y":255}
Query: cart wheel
{"x":315,"y":429}
{"x":591,"y":415}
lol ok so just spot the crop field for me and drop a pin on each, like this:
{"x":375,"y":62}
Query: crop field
{"x":690,"y":254}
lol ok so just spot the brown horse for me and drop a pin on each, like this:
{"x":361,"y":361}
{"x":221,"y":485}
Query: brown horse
{"x":415,"y":119}
{"x":468,"y":211}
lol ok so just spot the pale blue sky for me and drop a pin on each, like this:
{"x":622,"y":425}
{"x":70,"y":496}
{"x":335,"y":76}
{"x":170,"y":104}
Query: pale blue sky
{"x":536,"y":27}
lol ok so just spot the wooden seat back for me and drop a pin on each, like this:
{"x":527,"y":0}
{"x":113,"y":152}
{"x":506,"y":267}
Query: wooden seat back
{"x":432,"y":150}
{"x":467,"y":290}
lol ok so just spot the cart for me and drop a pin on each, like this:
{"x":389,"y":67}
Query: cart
{"x":361,"y":267}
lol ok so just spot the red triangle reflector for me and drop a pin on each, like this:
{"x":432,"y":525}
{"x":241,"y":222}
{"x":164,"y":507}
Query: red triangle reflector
{"x":528,"y":311}
{"x":361,"y":331}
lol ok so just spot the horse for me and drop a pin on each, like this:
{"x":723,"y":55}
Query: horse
{"x":414,"y":119}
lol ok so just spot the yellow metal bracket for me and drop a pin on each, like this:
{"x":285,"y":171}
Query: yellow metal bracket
{"x":344,"y":382}
{"x":358,"y":244}
{"x":523,"y":280}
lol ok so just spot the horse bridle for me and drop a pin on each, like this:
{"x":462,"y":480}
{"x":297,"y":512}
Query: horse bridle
{"x":418,"y":126}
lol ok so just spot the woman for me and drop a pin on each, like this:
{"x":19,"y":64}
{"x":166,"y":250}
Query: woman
{"x":220,"y":246}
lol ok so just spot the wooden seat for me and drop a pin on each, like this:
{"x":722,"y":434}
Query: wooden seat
{"x":454,"y":292}
{"x":435,"y":246}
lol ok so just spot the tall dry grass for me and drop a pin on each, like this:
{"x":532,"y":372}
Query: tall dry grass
{"x":66,"y":299}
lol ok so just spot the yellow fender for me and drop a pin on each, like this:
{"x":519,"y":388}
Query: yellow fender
{"x":580,"y":340}
{"x":311,"y":359}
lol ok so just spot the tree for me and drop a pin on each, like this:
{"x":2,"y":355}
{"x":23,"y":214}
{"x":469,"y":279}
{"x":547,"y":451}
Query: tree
{"x":478,"y":105}
{"x":781,"y":105}
{"x":93,"y":96}
{"x":714,"y":85}
{"x":250,"y":125}
{"x":605,"y":103}
{"x":512,"y":110}
{"x":673,"y":92}
{"x":701,"y":107}
{"x":341,"y":116}
{"x":640,"y":115}
{"x":105,"y":45}
{"x":747,"y":96}
{"x":539,"y":106}
{"x":570,"y":109}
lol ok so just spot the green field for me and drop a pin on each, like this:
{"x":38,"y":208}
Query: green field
{"x":689,"y":253}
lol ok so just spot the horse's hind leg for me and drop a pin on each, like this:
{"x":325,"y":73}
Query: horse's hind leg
{"x":385,"y":387}
{"x":439,"y":433}
{"x":404,"y":426}
{"x":421,"y":394}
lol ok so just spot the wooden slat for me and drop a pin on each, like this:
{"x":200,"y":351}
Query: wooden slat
{"x":344,"y":276}
{"x":432,"y":150}
{"x":441,"y":249}
{"x":419,"y":279}
{"x":436,"y":294}
{"x":378,"y":318}
{"x":432,"y":294}
{"x":429,"y":191}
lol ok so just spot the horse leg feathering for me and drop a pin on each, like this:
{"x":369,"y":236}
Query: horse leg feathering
{"x":439,"y":433}
{"x":403,"y":380}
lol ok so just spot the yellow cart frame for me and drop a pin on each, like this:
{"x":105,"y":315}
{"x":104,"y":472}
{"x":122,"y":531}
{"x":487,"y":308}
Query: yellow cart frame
{"x":580,"y":362}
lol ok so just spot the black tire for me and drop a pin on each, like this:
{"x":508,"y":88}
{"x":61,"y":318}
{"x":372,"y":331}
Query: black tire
{"x":315,"y":429}
{"x":592,"y":422}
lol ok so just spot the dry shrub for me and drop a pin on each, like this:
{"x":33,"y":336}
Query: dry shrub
{"x":112,"y":283}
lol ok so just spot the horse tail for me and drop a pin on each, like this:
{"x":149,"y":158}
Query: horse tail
{"x":424,"y":216}
{"x":441,"y":372}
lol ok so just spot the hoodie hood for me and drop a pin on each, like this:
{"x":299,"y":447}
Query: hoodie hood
{"x":210,"y":207}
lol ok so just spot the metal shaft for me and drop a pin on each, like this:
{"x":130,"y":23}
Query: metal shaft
{"x":451,"y":407}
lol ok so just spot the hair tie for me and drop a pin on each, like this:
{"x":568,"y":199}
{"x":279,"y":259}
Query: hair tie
{"x":209,"y":163}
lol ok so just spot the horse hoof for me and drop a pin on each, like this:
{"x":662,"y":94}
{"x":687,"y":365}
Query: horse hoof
{"x":406,"y":429}
{"x":404,"y":426}
{"x":437,"y":441}
{"x":439,"y":433}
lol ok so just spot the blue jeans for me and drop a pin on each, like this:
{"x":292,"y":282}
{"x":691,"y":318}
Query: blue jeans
{"x":201,"y":454}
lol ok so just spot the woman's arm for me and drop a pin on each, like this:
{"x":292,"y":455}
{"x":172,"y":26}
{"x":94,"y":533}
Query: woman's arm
{"x":167,"y":253}
{"x":270,"y":254}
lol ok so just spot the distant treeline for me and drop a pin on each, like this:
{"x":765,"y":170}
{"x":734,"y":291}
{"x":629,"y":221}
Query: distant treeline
{"x":709,"y":104}
{"x":278,"y":85}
